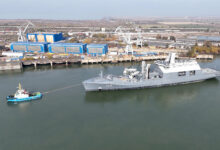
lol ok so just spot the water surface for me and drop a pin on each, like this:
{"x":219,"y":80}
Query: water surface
{"x":169,"y":118}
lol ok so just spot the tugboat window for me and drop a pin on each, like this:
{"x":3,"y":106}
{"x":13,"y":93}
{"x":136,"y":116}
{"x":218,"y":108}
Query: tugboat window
{"x":192,"y":72}
{"x":182,"y":73}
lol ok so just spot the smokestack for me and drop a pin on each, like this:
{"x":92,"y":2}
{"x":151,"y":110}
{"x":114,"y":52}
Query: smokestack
{"x":143,"y":67}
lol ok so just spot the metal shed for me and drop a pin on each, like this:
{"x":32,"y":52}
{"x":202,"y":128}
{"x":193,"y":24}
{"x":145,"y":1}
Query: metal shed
{"x":45,"y":37}
{"x":97,"y":49}
{"x":70,"y":48}
{"x":40,"y":47}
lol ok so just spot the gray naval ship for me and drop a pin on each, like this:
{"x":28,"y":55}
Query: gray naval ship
{"x":162,"y":73}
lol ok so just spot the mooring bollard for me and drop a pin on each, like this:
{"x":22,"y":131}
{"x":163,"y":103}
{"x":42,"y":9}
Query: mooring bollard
{"x":51,"y":64}
{"x":35,"y":65}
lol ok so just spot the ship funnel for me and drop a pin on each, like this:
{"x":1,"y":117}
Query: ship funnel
{"x":171,"y":58}
{"x":143,"y":67}
{"x":168,"y":58}
{"x":147,"y":71}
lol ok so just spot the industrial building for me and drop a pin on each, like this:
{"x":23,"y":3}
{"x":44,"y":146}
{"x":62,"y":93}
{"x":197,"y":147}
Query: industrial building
{"x":12,"y":54}
{"x":97,"y":49}
{"x":70,"y":48}
{"x":45,"y":37}
{"x":1,"y":47}
{"x":40,"y":47}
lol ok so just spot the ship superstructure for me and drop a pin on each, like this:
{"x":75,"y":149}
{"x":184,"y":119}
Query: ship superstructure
{"x":161,"y":73}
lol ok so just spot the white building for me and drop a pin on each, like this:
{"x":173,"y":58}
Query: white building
{"x":12,"y":54}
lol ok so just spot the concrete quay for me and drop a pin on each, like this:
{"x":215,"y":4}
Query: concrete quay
{"x":206,"y":56}
{"x":49,"y":61}
{"x":87,"y":60}
{"x":121,"y":59}
{"x":4,"y":66}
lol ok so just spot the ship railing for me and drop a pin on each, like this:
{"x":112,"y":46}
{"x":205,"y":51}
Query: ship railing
{"x":176,"y":64}
{"x":208,"y":70}
{"x":109,"y":77}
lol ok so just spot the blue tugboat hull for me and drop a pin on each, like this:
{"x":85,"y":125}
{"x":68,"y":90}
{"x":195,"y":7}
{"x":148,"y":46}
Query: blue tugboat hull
{"x":35,"y":96}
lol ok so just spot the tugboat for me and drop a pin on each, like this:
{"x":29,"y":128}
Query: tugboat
{"x":22,"y":95}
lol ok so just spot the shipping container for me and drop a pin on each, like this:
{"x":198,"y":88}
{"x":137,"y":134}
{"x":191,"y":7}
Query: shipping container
{"x":40,"y":47}
{"x":70,"y":48}
{"x":97,"y":49}
{"x":45,"y":37}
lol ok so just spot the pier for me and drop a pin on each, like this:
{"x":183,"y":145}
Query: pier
{"x":86,"y":60}
{"x":206,"y":56}
{"x":10,"y":66}
{"x":90,"y":60}
{"x":50,"y":62}
{"x":119,"y":59}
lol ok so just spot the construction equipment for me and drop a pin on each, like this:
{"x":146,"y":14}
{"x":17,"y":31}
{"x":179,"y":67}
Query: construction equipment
{"x":22,"y":31}
{"x":126,"y":38}
{"x":139,"y":41}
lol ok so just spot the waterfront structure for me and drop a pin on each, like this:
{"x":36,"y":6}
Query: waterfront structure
{"x":69,"y":48}
{"x":200,"y":40}
{"x":1,"y":47}
{"x":40,"y":47}
{"x":97,"y":49}
{"x":9,"y":64}
{"x":164,"y":73}
{"x":13,"y":54}
{"x":45,"y":37}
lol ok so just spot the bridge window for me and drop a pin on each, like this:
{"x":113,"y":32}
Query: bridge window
{"x":192,"y":73}
{"x":182,"y":73}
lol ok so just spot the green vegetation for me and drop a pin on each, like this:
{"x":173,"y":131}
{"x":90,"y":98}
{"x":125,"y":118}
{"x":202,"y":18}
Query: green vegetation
{"x":173,"y":38}
{"x":164,"y":38}
{"x":87,"y":40}
{"x":28,"y":58}
{"x":159,"y":37}
{"x":206,"y":49}
{"x":100,"y":35}
{"x":50,"y":56}
{"x":111,"y":38}
{"x":192,"y":52}
{"x":145,"y":44}
{"x":65,"y":34}
{"x":73,"y":40}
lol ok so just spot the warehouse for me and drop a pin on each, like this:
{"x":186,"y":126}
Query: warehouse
{"x":40,"y":47}
{"x":45,"y":37}
{"x":70,"y":48}
{"x":97,"y":49}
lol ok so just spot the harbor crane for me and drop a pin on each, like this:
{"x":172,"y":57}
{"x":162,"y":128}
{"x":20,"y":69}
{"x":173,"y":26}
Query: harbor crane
{"x":22,"y":30}
{"x":123,"y":35}
{"x":126,"y":38}
{"x":139,"y":41}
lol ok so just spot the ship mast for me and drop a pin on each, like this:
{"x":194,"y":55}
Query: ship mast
{"x":19,"y":86}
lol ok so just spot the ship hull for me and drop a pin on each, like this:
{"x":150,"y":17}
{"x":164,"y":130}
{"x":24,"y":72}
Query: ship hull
{"x":35,"y":96}
{"x":101,"y":85}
